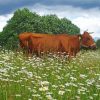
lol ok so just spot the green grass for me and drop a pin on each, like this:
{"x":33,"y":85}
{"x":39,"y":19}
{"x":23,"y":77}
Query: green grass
{"x":49,"y":78}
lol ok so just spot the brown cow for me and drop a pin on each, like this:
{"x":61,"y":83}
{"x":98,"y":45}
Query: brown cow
{"x":24,"y":39}
{"x":70,"y":44}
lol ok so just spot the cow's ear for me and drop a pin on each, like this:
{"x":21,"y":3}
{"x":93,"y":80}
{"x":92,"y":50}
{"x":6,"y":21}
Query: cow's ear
{"x":80,"y":37}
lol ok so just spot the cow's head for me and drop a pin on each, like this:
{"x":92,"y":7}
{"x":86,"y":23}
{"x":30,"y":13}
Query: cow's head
{"x":87,"y":41}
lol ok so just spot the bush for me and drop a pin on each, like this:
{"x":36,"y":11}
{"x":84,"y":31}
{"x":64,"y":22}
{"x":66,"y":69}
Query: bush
{"x":98,"y":43}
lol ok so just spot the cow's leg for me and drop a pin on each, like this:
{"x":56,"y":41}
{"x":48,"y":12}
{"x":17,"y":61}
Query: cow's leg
{"x":38,"y":50}
{"x":71,"y":53}
{"x":29,"y":52}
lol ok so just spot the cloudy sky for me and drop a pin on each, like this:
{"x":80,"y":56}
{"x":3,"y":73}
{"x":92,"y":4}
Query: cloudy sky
{"x":84,"y":13}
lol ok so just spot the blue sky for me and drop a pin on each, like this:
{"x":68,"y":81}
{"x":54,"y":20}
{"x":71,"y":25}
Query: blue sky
{"x":84,"y":13}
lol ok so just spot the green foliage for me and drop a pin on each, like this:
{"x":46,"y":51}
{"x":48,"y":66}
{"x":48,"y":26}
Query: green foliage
{"x":26,"y":21}
{"x":98,"y":43}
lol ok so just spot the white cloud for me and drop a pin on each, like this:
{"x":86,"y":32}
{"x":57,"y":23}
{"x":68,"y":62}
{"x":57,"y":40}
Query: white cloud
{"x":90,"y":23}
{"x":3,"y":20}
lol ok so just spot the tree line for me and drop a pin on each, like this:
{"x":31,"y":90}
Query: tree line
{"x":24,"y":20}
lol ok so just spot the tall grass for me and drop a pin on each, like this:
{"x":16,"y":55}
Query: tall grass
{"x":49,"y":78}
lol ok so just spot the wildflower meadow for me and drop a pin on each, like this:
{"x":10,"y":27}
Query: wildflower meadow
{"x":49,"y":77}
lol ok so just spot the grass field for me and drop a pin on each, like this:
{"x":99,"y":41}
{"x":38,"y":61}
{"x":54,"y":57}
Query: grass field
{"x":49,"y":78}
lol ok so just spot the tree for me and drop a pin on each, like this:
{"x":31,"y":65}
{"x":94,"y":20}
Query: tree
{"x":67,"y":26}
{"x":22,"y":21}
{"x":26,"y":21}
{"x":98,"y":43}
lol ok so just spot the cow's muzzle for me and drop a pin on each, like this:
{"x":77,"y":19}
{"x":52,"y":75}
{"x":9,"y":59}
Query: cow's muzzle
{"x":93,"y":46}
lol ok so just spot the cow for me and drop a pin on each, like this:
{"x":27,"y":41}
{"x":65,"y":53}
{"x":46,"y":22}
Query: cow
{"x":70,"y":44}
{"x":24,"y":39}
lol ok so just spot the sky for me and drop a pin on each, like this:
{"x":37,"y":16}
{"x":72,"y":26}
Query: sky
{"x":83,"y":13}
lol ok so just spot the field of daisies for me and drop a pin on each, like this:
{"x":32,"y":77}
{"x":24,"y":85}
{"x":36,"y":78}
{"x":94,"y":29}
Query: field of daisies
{"x":49,"y":77}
